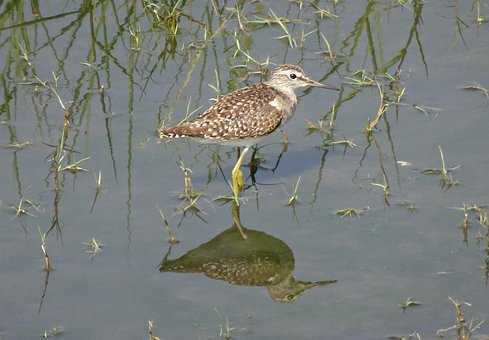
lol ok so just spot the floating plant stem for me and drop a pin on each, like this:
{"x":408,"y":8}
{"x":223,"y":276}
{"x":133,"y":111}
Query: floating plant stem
{"x":151,"y":327}
{"x":351,"y":212}
{"x":476,"y":87}
{"x":294,"y":198}
{"x":446,"y":179}
{"x":172,"y":239}
{"x":46,"y":261}
{"x":98,"y":190}
{"x":372,"y":124}
{"x":410,"y":302}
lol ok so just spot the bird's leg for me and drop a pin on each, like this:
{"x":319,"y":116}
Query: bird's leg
{"x":285,"y":138}
{"x":253,"y":166}
{"x":237,"y":220}
{"x":237,"y":175}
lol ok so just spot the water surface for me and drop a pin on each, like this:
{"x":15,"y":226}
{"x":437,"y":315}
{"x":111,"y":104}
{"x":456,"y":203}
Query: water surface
{"x":99,"y":78}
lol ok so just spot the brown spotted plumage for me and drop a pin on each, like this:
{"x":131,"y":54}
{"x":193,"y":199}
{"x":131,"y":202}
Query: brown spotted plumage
{"x":245,"y":113}
{"x":244,"y":116}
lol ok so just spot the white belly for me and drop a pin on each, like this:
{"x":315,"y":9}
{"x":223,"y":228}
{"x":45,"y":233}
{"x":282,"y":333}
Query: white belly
{"x":242,"y":142}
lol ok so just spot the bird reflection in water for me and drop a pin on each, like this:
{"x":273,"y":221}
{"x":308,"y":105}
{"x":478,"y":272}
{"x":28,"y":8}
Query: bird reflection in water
{"x":258,"y":259}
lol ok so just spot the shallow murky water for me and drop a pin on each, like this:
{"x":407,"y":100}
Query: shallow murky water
{"x":85,"y":87}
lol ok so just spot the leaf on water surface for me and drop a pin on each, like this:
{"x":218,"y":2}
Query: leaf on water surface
{"x":410,"y":302}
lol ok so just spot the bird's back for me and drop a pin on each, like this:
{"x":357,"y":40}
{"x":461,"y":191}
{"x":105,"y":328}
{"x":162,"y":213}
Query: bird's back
{"x":244,"y":113}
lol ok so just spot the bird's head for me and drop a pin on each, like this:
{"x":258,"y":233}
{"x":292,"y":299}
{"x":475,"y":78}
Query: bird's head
{"x":290,"y":289}
{"x":292,"y":77}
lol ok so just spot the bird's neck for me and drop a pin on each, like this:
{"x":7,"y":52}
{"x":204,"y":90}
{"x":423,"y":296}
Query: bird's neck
{"x":287,"y":94}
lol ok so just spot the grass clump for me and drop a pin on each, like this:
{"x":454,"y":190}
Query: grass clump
{"x":350,"y":212}
{"x":446,"y":179}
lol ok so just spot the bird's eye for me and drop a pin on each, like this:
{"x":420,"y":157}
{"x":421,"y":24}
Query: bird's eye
{"x":292,"y":76}
{"x":290,"y":297}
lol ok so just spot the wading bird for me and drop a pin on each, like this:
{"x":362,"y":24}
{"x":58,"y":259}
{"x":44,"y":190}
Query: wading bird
{"x":243,"y":117}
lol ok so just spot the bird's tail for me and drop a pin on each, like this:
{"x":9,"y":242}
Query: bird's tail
{"x":183,"y":130}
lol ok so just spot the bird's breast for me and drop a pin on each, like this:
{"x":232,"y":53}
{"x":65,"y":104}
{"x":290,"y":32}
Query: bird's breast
{"x":284,"y":105}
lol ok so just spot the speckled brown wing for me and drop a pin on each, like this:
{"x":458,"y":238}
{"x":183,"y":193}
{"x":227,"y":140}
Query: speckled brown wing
{"x":245,"y":113}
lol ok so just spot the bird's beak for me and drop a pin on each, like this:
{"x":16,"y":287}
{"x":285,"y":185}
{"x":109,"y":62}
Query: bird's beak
{"x":314,"y":83}
{"x":303,"y":286}
{"x":308,"y":284}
